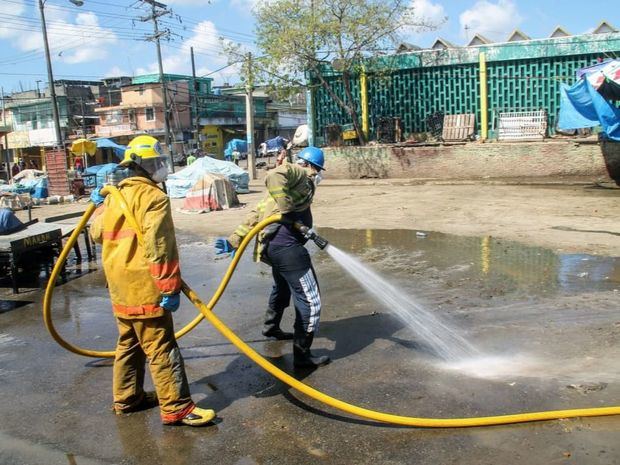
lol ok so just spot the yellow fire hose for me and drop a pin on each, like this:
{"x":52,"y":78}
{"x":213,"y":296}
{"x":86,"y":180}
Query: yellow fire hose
{"x":206,"y":311}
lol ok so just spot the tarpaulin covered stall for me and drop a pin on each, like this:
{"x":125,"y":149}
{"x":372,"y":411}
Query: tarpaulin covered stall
{"x":212,"y":192}
{"x":581,"y":106}
{"x":179,"y":183}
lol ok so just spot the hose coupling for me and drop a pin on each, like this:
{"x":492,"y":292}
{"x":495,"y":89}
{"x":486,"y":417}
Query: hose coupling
{"x":311,"y":234}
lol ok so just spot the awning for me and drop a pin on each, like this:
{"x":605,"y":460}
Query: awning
{"x":119,"y":150}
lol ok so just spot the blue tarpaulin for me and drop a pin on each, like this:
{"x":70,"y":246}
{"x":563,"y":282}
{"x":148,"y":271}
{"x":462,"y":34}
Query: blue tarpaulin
{"x":237,"y":145}
{"x":119,"y":150}
{"x":101,"y":171}
{"x":180,"y":182}
{"x":276,"y":144}
{"x":8,"y":221}
{"x":581,"y":106}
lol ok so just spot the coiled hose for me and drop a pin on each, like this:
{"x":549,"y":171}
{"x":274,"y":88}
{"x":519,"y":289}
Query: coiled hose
{"x":206,"y":311}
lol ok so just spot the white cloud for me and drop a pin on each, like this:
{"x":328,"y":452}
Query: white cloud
{"x":207,"y":48}
{"x":80,"y":41}
{"x":428,"y":11}
{"x":116,"y":71}
{"x":16,"y":8}
{"x":493,"y":20}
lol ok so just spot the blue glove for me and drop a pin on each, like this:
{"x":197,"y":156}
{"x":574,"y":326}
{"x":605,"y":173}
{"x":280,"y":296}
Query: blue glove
{"x":171,"y":302}
{"x":222,"y":247}
{"x":96,"y":197}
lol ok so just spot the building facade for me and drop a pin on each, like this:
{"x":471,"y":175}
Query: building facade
{"x":138,"y":108}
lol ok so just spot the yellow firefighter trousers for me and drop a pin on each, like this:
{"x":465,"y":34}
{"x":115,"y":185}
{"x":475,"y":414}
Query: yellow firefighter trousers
{"x":152,"y":339}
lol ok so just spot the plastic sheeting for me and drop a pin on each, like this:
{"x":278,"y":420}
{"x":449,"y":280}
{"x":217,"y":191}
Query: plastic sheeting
{"x":119,"y":150}
{"x":179,"y":183}
{"x":101,"y":171}
{"x":8,"y":221}
{"x":238,"y":145}
{"x":604,"y":77}
{"x":33,"y":182}
{"x":212,"y":192}
{"x":581,"y":106}
{"x":273,"y":145}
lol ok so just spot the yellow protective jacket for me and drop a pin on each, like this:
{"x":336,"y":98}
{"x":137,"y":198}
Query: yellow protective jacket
{"x":290,"y":188}
{"x":138,"y":276}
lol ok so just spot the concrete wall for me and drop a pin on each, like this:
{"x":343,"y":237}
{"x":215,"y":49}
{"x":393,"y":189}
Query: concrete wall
{"x":492,"y":160}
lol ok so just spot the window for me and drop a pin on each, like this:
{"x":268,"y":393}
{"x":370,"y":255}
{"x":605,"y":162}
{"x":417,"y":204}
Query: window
{"x":149,"y":114}
{"x":114,"y":117}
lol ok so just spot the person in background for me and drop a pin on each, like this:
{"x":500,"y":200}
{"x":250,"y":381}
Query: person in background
{"x":144,"y":280}
{"x":32,"y":165}
{"x":22,"y":164}
{"x":190,"y":159}
{"x":78,"y":164}
{"x":15,"y":170}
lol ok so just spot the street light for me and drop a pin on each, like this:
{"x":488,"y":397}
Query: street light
{"x":50,"y":75}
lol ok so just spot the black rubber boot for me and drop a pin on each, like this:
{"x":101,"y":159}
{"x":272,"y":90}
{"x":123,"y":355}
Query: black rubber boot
{"x":272,"y":325}
{"x":302,"y":357}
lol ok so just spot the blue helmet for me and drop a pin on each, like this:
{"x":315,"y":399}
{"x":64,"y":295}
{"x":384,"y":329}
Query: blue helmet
{"x":314,"y":156}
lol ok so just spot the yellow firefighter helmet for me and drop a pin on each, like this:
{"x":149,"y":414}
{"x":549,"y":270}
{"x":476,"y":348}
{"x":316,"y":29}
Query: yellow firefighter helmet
{"x":142,"y":148}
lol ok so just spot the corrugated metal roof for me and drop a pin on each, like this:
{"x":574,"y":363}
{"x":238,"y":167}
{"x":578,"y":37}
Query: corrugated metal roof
{"x":154,"y":78}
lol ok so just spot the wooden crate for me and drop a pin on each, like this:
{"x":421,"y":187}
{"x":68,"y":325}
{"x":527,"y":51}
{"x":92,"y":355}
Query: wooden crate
{"x":458,"y":127}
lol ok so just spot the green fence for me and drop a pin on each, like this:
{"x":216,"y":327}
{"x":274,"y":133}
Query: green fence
{"x":415,"y":93}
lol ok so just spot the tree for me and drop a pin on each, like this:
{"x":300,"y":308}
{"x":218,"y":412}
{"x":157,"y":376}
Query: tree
{"x":301,"y":37}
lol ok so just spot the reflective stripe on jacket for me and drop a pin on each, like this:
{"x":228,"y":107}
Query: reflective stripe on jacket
{"x":290,"y":188}
{"x":138,"y":276}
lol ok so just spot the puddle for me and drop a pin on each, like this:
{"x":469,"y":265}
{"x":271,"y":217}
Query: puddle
{"x":8,"y":305}
{"x":499,"y":265}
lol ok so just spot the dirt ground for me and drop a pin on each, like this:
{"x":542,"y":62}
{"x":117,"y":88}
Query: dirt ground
{"x":575,"y":217}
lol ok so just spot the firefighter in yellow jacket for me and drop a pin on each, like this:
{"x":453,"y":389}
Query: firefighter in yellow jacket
{"x":145,"y":283}
{"x":290,"y":189}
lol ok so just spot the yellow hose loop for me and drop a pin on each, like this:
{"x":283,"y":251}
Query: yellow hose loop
{"x":49,"y":291}
{"x":206,"y":312}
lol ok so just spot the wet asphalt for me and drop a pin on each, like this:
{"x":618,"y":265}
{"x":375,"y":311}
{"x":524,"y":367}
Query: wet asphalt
{"x":548,"y":326}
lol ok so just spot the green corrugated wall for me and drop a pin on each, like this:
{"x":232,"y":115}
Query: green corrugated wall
{"x":413,"y":93}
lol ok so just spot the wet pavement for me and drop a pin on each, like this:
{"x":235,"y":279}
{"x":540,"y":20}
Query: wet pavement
{"x":548,"y":326}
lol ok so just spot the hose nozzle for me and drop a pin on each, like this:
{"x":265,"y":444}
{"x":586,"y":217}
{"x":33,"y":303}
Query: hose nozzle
{"x":310,"y":234}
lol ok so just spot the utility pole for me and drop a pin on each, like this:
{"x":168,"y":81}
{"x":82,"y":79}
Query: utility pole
{"x":83,"y":117}
{"x":50,"y":79}
{"x":159,"y":9}
{"x":84,"y":155}
{"x":194,"y":97}
{"x":6,"y":139}
{"x":249,"y":118}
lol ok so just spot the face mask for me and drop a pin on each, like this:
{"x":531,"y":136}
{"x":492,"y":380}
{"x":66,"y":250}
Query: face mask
{"x":318,"y":178}
{"x":160,"y":175}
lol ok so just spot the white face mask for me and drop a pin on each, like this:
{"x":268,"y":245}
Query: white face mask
{"x":318,"y":178}
{"x":160,"y":175}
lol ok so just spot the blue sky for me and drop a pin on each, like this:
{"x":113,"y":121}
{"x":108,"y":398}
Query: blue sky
{"x":105,"y":38}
